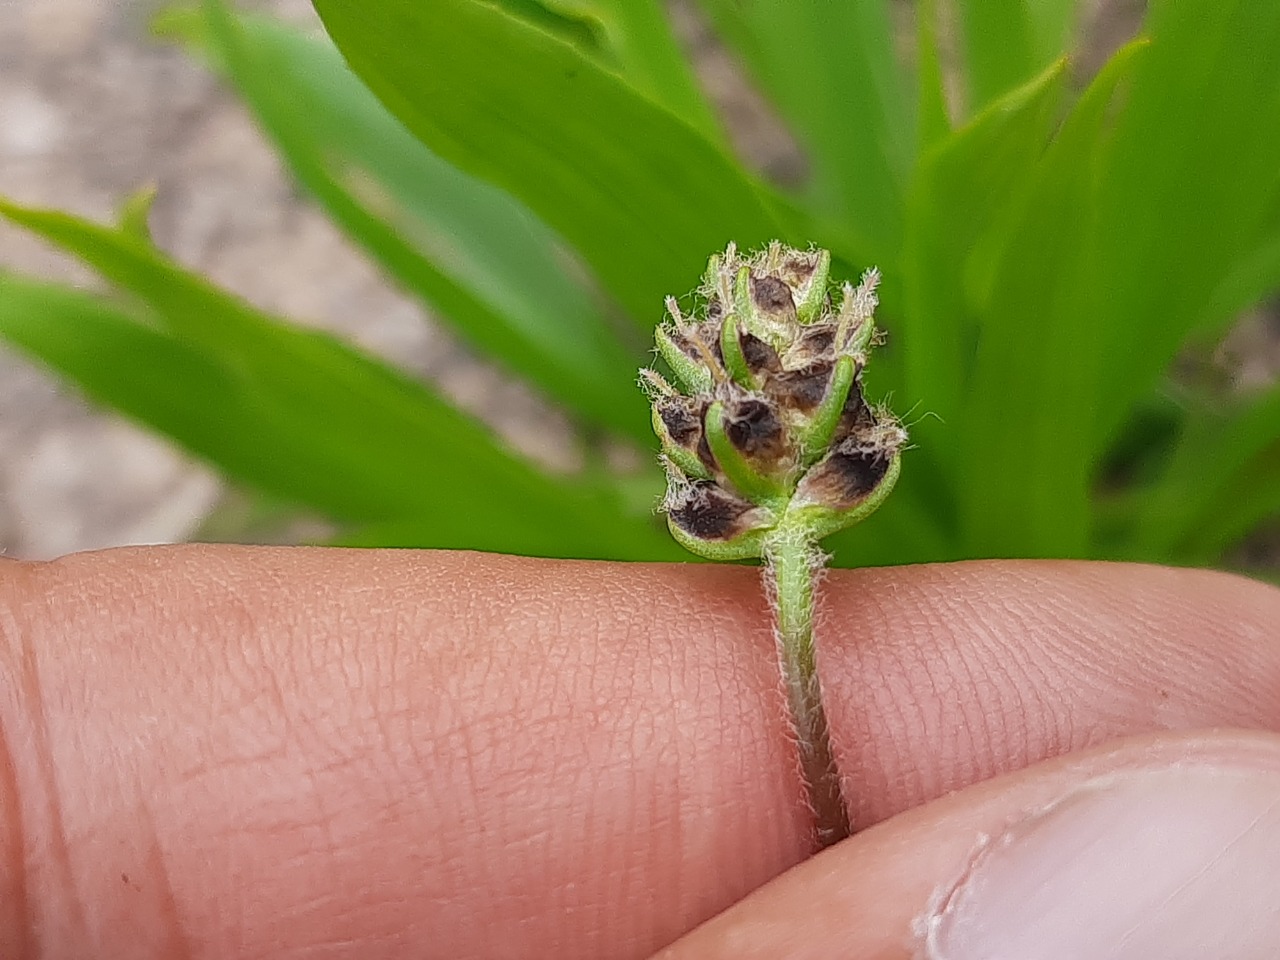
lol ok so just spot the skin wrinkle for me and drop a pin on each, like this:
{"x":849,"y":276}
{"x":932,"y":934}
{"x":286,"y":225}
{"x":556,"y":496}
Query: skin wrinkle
{"x":47,"y":855}
{"x":173,"y":941}
{"x":669,"y":642}
{"x":18,"y":935}
{"x":1003,"y":680}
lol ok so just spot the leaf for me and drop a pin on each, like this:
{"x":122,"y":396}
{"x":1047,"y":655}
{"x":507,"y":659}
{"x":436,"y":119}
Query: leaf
{"x":1249,"y":501}
{"x":637,"y":35}
{"x":1025,"y":450}
{"x":310,"y":419}
{"x":483,"y":262}
{"x":932,"y":114}
{"x":1183,"y":186}
{"x":1222,"y":480}
{"x":1252,"y":278}
{"x":1008,"y":41}
{"x":637,"y":192}
{"x":831,"y":70}
{"x":969,"y":188}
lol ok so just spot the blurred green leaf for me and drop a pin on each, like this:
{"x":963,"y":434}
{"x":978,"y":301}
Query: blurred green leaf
{"x":637,"y":35}
{"x":1249,"y":500}
{"x":489,"y":268}
{"x":135,"y":213}
{"x":1183,"y":185}
{"x":831,"y":69}
{"x":1008,"y":41}
{"x":638,"y":193}
{"x":902,"y":531}
{"x":1025,"y":453}
{"x":970,"y":187}
{"x":1249,"y":280}
{"x":1222,"y":479}
{"x":311,"y":419}
{"x":1025,"y":450}
{"x":119,"y":358}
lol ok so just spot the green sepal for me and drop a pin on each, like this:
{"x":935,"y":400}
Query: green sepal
{"x":816,"y":438}
{"x":694,"y":377}
{"x":822,"y":521}
{"x":746,"y":547}
{"x":748,"y":481}
{"x":735,"y":364}
{"x":810,"y":307}
{"x":714,"y":262}
{"x":862,"y":338}
{"x":745,"y":309}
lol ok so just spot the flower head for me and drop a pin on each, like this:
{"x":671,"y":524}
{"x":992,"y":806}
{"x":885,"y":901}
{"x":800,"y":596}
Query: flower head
{"x":766,"y":421}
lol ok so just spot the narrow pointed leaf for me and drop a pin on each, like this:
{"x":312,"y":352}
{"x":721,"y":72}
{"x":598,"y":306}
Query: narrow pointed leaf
{"x":1183,"y":185}
{"x":1026,"y":449}
{"x":933,"y":118}
{"x":966,"y":193}
{"x":1213,"y":489}
{"x":1008,"y":41}
{"x":363,"y":441}
{"x":637,"y":36}
{"x":482,"y":261}
{"x":830,"y":68}
{"x":639,"y":194}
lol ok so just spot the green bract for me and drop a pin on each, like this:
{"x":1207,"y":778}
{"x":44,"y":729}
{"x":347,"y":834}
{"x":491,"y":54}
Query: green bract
{"x":766,"y":429}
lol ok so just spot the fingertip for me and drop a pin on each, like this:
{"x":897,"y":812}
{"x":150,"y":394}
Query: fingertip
{"x":1153,"y":846}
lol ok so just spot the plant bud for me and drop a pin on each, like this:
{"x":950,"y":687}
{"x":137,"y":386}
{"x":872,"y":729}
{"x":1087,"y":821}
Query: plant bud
{"x":766,"y":418}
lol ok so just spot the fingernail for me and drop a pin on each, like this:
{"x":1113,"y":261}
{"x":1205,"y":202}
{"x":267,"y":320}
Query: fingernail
{"x":1173,"y":864}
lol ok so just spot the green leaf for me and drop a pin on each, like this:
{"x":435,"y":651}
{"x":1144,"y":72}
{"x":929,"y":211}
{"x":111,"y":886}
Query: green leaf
{"x":1250,"y":501}
{"x":1026,"y":450}
{"x":831,"y":70}
{"x":932,"y":112}
{"x":637,"y":192}
{"x":637,"y":35}
{"x":1222,"y":480}
{"x":315,"y":421}
{"x":135,"y":213}
{"x":1008,"y":41}
{"x":966,"y":193}
{"x":1251,"y":279}
{"x":119,"y":358}
{"x":483,"y":262}
{"x":1184,"y":185}
{"x":564,"y":23}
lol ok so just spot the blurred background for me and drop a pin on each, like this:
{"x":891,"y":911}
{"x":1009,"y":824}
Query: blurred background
{"x":91,"y":108}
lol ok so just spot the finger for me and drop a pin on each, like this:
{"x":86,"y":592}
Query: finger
{"x":229,"y":750}
{"x":942,"y":676}
{"x":1162,"y":846}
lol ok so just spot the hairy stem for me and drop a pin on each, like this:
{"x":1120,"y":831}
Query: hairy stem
{"x":793,"y":560}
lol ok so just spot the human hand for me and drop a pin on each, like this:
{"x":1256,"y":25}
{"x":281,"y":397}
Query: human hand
{"x":234,"y":752}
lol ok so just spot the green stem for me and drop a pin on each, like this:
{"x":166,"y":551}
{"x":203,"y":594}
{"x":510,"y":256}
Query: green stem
{"x":793,"y":559}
